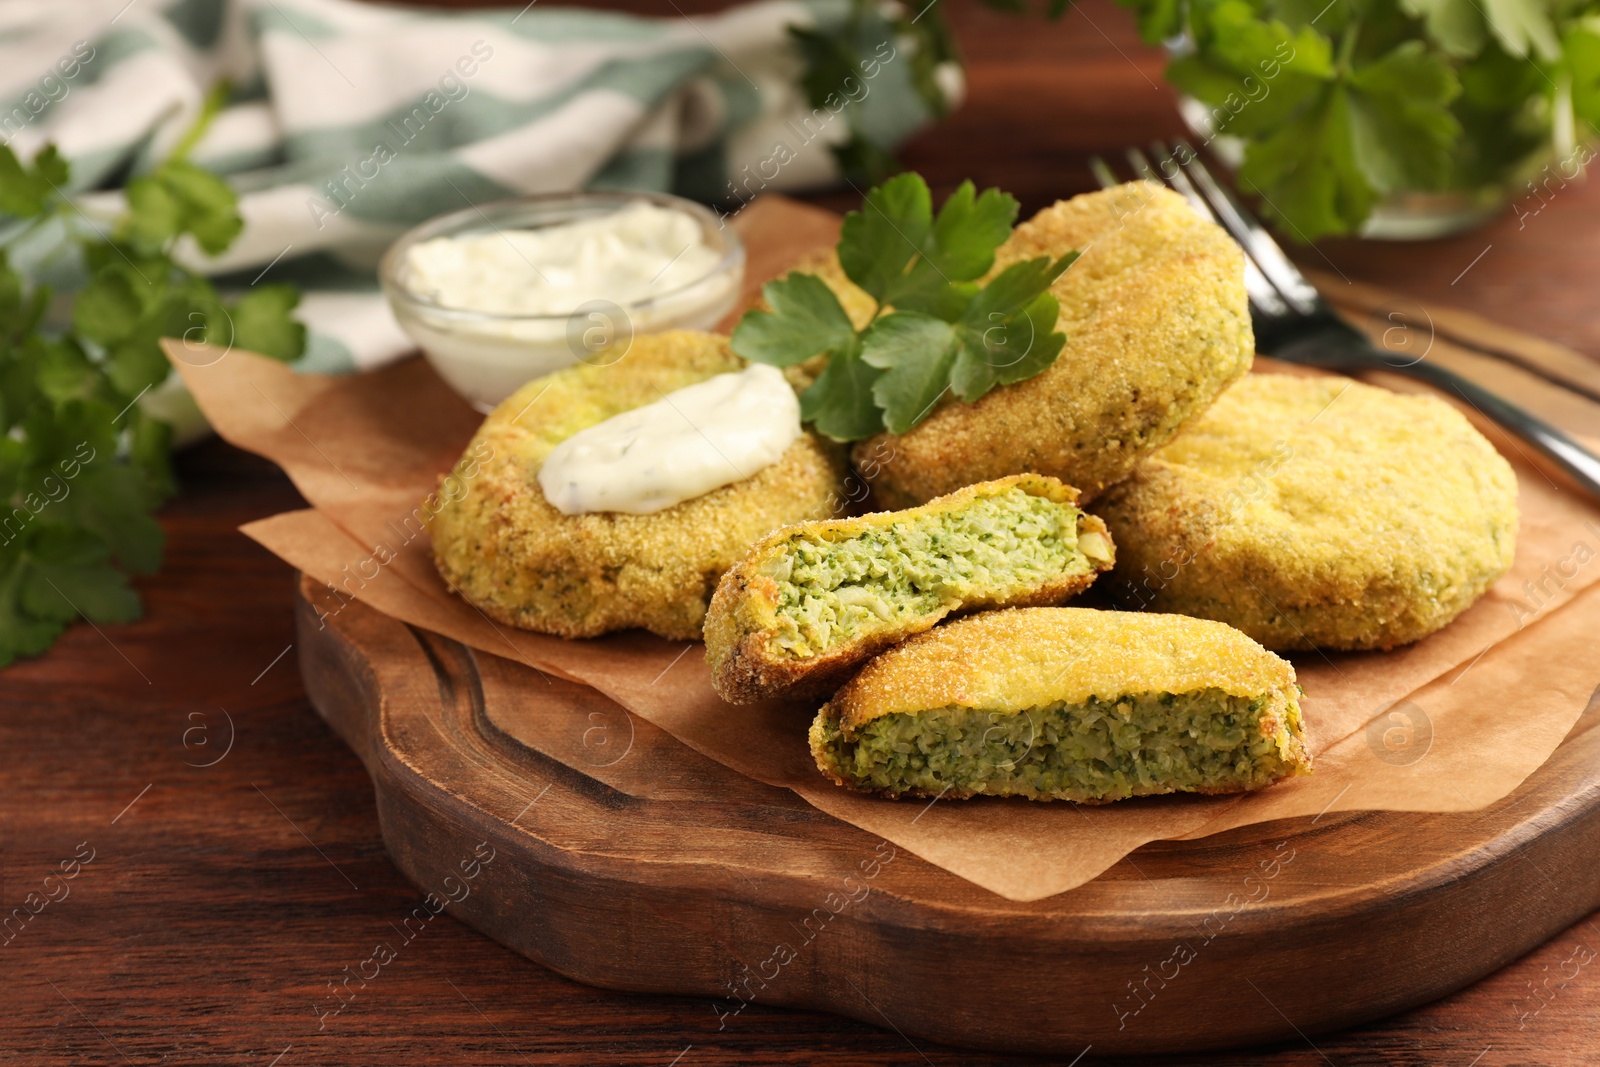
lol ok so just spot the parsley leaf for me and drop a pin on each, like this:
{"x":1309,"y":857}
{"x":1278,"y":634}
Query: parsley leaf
{"x":210,"y":210}
{"x":905,"y":258}
{"x":806,"y":320}
{"x":109,"y":308}
{"x":178,"y":198}
{"x":82,"y":466}
{"x":25,"y":192}
{"x":960,"y":248}
{"x":935,"y":331}
{"x":917,"y":353}
{"x":840,"y":402}
{"x":1582,"y":50}
{"x":1401,"y":126}
{"x":1005,"y":334}
{"x":70,"y":571}
{"x":1523,"y":28}
{"x":1458,"y":25}
{"x":22,"y":633}
{"x":877,"y":242}
{"x":1008,"y":333}
{"x":1306,"y":171}
{"x":1254,"y":72}
{"x":262,"y":324}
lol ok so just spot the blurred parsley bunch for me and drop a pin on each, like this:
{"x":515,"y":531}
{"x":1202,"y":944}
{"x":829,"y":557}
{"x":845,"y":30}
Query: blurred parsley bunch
{"x":1341,"y":103}
{"x":82,"y":465}
{"x":1338,"y":103}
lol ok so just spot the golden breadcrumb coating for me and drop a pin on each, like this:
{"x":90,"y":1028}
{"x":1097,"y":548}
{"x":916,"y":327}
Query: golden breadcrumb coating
{"x":1157,"y":325}
{"x":504,"y":548}
{"x":1014,"y":663}
{"x":1317,"y":513}
{"x":1029,"y":657}
{"x":1016,"y":541}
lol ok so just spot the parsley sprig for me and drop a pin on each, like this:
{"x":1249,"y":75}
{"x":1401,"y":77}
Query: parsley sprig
{"x":934,"y":329}
{"x":82,"y":464}
{"x":1339,"y":105}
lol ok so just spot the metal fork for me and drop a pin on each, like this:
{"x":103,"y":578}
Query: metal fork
{"x":1294,"y":324}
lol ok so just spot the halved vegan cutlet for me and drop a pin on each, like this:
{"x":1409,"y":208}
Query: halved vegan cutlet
{"x":1066,"y":704}
{"x":812,"y":601}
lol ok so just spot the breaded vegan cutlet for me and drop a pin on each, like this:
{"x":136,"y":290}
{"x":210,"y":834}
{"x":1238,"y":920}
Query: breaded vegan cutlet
{"x":810,"y":602}
{"x":506,"y":549}
{"x":1066,"y":704}
{"x":1157,"y":325}
{"x":1317,"y":513}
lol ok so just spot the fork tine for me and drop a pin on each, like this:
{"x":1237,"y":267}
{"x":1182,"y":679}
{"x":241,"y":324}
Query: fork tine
{"x":1168,"y":172}
{"x":1263,"y":294}
{"x":1141,"y":166}
{"x":1257,"y":242}
{"x":1102,"y":173}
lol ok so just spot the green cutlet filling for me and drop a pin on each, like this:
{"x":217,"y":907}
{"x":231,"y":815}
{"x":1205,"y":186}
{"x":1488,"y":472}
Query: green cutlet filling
{"x":1097,"y":750}
{"x":992,"y":548}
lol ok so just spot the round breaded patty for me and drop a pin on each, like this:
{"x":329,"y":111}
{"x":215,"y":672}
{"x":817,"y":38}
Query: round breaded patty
{"x":1317,"y":513}
{"x":504,"y":548}
{"x":1157,"y":325}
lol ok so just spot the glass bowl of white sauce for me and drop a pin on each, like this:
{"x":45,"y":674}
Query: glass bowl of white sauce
{"x":507,"y":291}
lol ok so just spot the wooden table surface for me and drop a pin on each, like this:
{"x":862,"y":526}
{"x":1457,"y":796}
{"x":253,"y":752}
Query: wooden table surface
{"x":221,"y":900}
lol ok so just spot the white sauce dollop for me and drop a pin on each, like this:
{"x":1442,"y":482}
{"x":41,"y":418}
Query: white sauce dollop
{"x":639,"y":252}
{"x":691,"y":441}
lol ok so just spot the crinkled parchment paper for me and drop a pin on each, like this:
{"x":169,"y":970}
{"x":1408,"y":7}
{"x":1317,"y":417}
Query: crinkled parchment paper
{"x":1452,"y":723}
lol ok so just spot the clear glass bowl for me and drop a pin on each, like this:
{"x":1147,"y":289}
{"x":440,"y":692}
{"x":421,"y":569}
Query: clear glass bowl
{"x":486,"y":356}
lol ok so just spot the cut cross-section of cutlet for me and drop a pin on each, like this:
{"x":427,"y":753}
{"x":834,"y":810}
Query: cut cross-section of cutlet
{"x":813,"y":601}
{"x":1066,"y":704}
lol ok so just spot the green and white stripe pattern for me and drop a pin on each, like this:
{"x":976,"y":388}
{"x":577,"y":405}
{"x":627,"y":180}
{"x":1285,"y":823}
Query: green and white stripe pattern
{"x":350,"y":122}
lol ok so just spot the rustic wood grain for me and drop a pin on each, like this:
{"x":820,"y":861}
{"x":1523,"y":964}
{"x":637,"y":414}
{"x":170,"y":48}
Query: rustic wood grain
{"x":217,"y":910}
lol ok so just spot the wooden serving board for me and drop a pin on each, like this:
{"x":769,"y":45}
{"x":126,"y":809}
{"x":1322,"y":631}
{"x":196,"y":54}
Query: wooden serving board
{"x":712,"y":885}
{"x":719,"y":887}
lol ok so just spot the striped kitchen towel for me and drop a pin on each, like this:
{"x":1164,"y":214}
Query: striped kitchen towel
{"x":349,"y":122}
